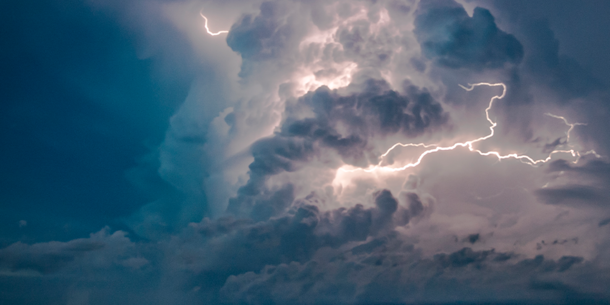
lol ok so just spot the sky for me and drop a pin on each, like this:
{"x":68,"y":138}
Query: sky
{"x":312,"y":152}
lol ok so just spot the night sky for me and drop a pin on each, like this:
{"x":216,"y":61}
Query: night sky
{"x":319,"y":152}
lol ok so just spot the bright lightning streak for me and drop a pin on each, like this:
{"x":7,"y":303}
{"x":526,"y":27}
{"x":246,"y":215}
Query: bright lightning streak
{"x":469,"y":144}
{"x":566,"y":122}
{"x":578,"y":154}
{"x":208,"y":29}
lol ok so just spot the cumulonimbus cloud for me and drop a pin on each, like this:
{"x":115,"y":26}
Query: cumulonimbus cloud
{"x":326,"y":85}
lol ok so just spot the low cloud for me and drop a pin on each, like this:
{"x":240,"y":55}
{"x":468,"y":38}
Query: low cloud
{"x":100,"y":250}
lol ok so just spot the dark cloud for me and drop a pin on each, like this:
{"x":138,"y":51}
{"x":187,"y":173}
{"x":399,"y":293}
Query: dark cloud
{"x":294,"y":237}
{"x":598,"y":169}
{"x":278,"y":154}
{"x":589,"y":186}
{"x":45,"y":258}
{"x":376,"y":111}
{"x":566,"y":193}
{"x":396,"y":274}
{"x":268,"y":36}
{"x":540,"y":264}
{"x":416,"y":207}
{"x":453,"y":39}
{"x":262,"y":206}
{"x":260,"y":37}
{"x":51,"y":257}
{"x":473,"y":238}
{"x":561,"y":73}
{"x":271,"y":156}
{"x":387,"y":207}
{"x":462,"y":258}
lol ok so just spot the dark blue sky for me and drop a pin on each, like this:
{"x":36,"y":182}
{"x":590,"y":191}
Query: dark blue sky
{"x":80,"y":107}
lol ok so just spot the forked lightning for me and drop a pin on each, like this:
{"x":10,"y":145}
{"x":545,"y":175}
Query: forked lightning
{"x":208,"y":29}
{"x":469,"y":144}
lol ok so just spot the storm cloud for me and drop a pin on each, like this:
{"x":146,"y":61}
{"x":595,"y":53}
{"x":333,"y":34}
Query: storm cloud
{"x":318,"y":152}
{"x":455,"y":40}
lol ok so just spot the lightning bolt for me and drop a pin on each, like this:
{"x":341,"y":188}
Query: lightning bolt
{"x":566,"y":122}
{"x":469,"y":144}
{"x":208,"y":29}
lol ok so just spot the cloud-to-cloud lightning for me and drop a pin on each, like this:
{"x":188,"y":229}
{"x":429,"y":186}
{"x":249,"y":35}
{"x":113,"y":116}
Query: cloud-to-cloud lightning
{"x":208,"y":29}
{"x":469,"y":144}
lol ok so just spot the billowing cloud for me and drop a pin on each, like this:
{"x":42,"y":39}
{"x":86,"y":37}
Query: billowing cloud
{"x":396,"y":274}
{"x":100,"y":250}
{"x":453,"y":39}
